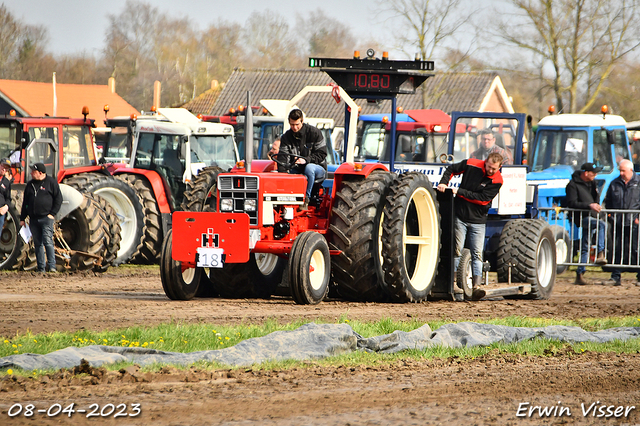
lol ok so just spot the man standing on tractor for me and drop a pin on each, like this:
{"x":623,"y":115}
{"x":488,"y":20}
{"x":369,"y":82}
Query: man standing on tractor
{"x":481,"y":182}
{"x":42,"y":201}
{"x":307,"y":144}
{"x":488,"y":145}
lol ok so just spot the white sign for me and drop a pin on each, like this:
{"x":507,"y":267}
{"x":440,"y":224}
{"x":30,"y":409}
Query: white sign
{"x":210,"y":257}
{"x":512,"y":198}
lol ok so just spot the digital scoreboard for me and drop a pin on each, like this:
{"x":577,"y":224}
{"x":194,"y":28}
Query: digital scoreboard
{"x":375,"y":76}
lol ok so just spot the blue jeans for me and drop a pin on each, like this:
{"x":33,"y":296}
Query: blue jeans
{"x":42,"y":234}
{"x":475,"y":233}
{"x":589,"y":226}
{"x":312,"y":172}
{"x":2,"y":217}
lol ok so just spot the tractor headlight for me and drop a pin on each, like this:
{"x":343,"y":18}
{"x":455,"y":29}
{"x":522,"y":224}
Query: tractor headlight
{"x":249,"y":205}
{"x":226,"y":204}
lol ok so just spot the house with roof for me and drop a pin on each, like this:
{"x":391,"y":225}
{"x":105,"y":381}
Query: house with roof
{"x":474,"y":91}
{"x":33,"y":99}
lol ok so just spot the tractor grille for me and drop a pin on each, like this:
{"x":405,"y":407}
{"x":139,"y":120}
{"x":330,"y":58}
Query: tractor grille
{"x":234,"y":191}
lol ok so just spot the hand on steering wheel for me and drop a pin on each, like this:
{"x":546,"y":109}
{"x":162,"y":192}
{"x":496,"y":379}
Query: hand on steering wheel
{"x":288,"y":162}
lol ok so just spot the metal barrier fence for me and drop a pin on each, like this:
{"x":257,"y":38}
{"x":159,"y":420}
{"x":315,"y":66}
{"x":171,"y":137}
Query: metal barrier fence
{"x":619,"y":227}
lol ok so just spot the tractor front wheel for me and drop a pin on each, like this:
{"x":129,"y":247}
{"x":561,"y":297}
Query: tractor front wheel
{"x":309,"y":268}
{"x":177,"y":284}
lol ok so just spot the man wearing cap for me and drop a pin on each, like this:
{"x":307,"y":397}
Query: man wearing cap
{"x":582,"y":194}
{"x":42,"y":200}
{"x":5,"y":189}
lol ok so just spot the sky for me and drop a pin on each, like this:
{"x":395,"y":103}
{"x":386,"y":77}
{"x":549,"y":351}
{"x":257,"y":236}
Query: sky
{"x":75,"y":26}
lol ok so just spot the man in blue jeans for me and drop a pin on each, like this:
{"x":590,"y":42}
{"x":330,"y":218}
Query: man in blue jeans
{"x":42,"y":201}
{"x":307,"y":142}
{"x":481,"y":182}
{"x":582,"y":194}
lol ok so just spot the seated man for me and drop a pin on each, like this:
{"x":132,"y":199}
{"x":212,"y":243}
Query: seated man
{"x":307,"y":142}
{"x":488,"y":146}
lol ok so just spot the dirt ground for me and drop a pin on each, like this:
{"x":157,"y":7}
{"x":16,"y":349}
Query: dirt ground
{"x":493,"y":389}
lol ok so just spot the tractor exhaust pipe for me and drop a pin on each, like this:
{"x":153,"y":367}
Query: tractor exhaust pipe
{"x":248,"y":134}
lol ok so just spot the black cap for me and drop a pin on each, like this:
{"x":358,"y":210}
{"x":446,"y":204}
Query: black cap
{"x":39,"y":167}
{"x":590,"y":167}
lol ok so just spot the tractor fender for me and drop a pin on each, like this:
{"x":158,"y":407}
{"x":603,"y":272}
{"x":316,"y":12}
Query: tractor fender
{"x":155,"y":180}
{"x":354,"y":169}
{"x":71,"y":200}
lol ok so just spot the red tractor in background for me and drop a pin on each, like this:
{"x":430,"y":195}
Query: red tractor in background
{"x":87,"y":238}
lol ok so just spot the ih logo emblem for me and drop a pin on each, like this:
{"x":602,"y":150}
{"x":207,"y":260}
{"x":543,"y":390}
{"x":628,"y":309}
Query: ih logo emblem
{"x":210,"y":239}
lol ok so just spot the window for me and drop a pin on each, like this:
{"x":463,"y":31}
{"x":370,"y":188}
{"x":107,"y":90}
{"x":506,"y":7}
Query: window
{"x":77,"y":147}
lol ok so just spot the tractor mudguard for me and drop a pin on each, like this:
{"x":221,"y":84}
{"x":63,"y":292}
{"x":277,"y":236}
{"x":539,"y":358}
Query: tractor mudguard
{"x":228,"y":231}
{"x":155,"y":180}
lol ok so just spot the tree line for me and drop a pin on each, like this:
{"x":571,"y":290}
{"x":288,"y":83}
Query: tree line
{"x":574,"y":54}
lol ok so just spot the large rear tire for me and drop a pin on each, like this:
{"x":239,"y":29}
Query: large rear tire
{"x":310,"y":268}
{"x":355,"y":231}
{"x":125,"y":202}
{"x":202,"y":193}
{"x":528,"y":245}
{"x":177,"y":284}
{"x":411,"y":238}
{"x":11,"y":243}
{"x":112,"y":242}
{"x":150,"y":245}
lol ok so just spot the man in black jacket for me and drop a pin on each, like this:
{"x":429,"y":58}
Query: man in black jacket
{"x":306,"y":141}
{"x":481,"y":182}
{"x":5,"y":189}
{"x":42,"y":201}
{"x":582,"y":193}
{"x":624,"y":194}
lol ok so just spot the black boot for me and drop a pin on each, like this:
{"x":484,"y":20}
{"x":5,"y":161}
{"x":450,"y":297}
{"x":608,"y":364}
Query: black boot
{"x":477,"y":293}
{"x":580,"y":280}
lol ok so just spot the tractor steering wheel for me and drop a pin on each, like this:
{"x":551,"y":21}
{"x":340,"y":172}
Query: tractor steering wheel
{"x":290,"y":159}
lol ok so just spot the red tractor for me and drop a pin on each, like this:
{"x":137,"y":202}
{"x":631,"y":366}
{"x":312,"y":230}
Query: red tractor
{"x":372,"y":234}
{"x":89,"y":237}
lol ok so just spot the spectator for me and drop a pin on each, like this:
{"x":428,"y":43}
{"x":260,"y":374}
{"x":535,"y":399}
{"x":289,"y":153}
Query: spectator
{"x":42,"y":201}
{"x":488,"y":145}
{"x":582,"y":193}
{"x":624,"y":194}
{"x":481,"y":182}
{"x":5,"y":189}
{"x":308,"y":143}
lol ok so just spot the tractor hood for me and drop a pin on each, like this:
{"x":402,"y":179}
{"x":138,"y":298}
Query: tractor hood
{"x":551,"y":182}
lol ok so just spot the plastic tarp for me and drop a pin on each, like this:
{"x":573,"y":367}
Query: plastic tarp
{"x":316,"y":341}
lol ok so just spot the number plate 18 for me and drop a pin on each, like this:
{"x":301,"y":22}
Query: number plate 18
{"x":210,"y":257}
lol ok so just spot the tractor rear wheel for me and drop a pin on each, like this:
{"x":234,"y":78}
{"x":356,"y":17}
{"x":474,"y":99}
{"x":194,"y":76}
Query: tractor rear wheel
{"x":11,"y":243}
{"x":177,"y":284}
{"x":112,"y":242}
{"x":355,"y":231}
{"x":528,"y":245}
{"x":310,"y":268}
{"x":411,"y":238}
{"x":125,"y":202}
{"x":84,"y":230}
{"x":202,"y":193}
{"x":150,"y":244}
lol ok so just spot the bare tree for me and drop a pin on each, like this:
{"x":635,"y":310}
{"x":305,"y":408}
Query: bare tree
{"x":578,"y":42}
{"x":268,"y":41}
{"x":324,"y":36}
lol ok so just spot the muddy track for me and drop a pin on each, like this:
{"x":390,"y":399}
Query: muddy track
{"x":486,"y":390}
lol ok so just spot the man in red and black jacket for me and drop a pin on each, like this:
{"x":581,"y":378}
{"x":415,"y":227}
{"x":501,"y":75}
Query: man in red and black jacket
{"x":481,"y":182}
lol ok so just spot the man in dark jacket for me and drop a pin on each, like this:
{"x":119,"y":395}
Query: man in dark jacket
{"x":5,"y":189}
{"x":306,"y":141}
{"x":624,"y":194}
{"x":582,"y":193}
{"x":42,"y":201}
{"x":481,"y":182}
